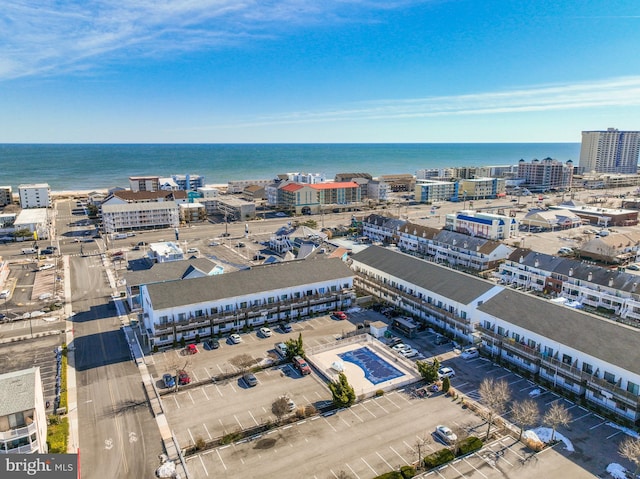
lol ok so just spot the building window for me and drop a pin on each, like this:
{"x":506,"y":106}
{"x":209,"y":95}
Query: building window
{"x":182,"y":316}
{"x":199,"y":313}
{"x":633,"y":388}
{"x":164,"y":319}
{"x":587,"y":368}
{"x":270,"y":300}
{"x":566,"y":359}
{"x":610,"y":377}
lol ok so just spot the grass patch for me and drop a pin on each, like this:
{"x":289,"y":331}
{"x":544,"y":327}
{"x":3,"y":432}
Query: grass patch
{"x":63,"y":379}
{"x":57,"y":434}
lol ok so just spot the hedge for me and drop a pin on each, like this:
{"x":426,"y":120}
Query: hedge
{"x":407,"y":472}
{"x":438,"y":458}
{"x":469,"y":445}
{"x":390,"y":475}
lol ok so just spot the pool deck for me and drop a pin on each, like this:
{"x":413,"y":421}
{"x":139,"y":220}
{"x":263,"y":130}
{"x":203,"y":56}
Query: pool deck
{"x":323,"y":357}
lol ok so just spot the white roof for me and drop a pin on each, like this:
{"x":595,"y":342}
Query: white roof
{"x":32,"y":216}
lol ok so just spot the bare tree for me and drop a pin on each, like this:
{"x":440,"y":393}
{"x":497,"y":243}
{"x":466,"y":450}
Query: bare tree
{"x":176,"y":366}
{"x":344,"y":475}
{"x":524,"y":414}
{"x":557,"y":415}
{"x":420,"y":446}
{"x":630,"y":449}
{"x":280,"y":408}
{"x":243,"y":362}
{"x":494,"y":395}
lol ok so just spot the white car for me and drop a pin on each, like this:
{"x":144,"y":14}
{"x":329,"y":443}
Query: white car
{"x":235,"y":339}
{"x":193,"y":250}
{"x":409,"y":353}
{"x":401,"y":347}
{"x":470,"y":353}
{"x":265,"y":332}
{"x":45,"y":267}
{"x":446,"y":373}
{"x":446,"y":434}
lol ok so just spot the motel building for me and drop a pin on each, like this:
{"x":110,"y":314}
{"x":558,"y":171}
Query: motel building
{"x":226,"y":303}
{"x":581,"y":355}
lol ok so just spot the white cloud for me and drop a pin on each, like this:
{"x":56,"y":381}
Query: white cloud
{"x":56,"y":37}
{"x":614,"y":92}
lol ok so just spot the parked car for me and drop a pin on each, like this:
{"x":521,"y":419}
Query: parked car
{"x":340,"y":315}
{"x":47,"y":251}
{"x":286,"y":328}
{"x":265,"y":332}
{"x":214,"y":243}
{"x":470,"y":353}
{"x":250,"y":380}
{"x":45,"y":267}
{"x":169,"y":381}
{"x":440,"y":339}
{"x":401,"y":347}
{"x":235,"y":338}
{"x":183,"y":378}
{"x":633,"y":267}
{"x":191,"y":349}
{"x":4,"y":293}
{"x":211,"y":344}
{"x":446,"y":434}
{"x":446,"y":373}
{"x":301,"y":365}
{"x":291,"y":405}
{"x":565,"y":250}
{"x":393,"y":341}
{"x":281,"y":348}
{"x":409,"y":353}
{"x":193,"y":251}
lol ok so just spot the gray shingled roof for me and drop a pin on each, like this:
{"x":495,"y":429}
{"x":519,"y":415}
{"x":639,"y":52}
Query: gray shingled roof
{"x":17,"y":391}
{"x":611,"y":342}
{"x":169,"y":271}
{"x":451,"y":284}
{"x":251,"y":281}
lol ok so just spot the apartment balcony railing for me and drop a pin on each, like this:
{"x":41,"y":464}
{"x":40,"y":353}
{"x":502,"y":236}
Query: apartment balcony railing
{"x":597,"y":384}
{"x":564,"y":368}
{"x":509,"y":343}
{"x":12,"y":434}
{"x":27,"y":449}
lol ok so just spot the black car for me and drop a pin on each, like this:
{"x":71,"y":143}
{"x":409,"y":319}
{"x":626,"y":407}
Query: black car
{"x":211,"y":344}
{"x":47,"y":251}
{"x":440,"y":339}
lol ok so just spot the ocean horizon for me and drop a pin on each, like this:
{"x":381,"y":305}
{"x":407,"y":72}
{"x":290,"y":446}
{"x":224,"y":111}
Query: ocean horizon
{"x":101,"y":166}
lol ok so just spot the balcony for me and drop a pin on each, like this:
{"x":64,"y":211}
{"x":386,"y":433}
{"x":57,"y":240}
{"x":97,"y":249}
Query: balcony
{"x":12,"y":434}
{"x":566,"y":369}
{"x":597,"y":384}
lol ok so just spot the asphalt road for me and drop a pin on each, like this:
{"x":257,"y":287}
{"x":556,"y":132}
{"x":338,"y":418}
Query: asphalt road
{"x":118,"y":435}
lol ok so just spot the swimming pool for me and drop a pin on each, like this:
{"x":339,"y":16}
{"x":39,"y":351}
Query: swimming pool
{"x":376,"y":369}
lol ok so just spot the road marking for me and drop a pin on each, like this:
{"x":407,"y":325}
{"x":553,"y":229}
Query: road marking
{"x":205,"y":393}
{"x":205,"y":428}
{"x":193,"y":373}
{"x":191,"y":397}
{"x":408,"y":446}
{"x":334,"y":474}
{"x":330,"y":425}
{"x":475,"y":468}
{"x":393,"y":403}
{"x":377,"y":403}
{"x":220,"y":457}
{"x":191,"y":436}
{"x":108,"y":443}
{"x":504,"y":375}
{"x":176,"y":400}
{"x":254,"y":419}
{"x":396,"y":452}
{"x":133,"y":437}
{"x":354,"y":472}
{"x":614,"y":434}
{"x":385,"y":461}
{"x":342,"y":419}
{"x":374,"y":471}
{"x":203,"y":466}
{"x":354,"y":413}
{"x":219,"y":392}
{"x":238,"y":421}
{"x":367,"y":409}
{"x":233,"y":387}
{"x":516,"y":381}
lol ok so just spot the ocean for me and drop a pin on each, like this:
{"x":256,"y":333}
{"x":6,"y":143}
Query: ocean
{"x":101,"y":166}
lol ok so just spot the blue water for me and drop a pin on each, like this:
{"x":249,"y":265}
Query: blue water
{"x":376,"y":370}
{"x":71,"y":167}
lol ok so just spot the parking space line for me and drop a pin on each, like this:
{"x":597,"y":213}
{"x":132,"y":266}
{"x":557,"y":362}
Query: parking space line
{"x":580,"y":417}
{"x":208,"y":433}
{"x":374,"y":471}
{"x":220,"y":457}
{"x":342,"y":419}
{"x":504,"y":376}
{"x":614,"y":434}
{"x":516,"y":381}
{"x":191,"y":397}
{"x":193,"y":373}
{"x":238,"y":421}
{"x":205,"y":393}
{"x":254,"y":419}
{"x":191,"y":436}
{"x":219,"y":392}
{"x":354,"y":472}
{"x":475,"y":468}
{"x":334,"y":474}
{"x":385,"y":461}
{"x":330,"y":425}
{"x":203,"y":466}
{"x":386,"y":396}
{"x":452,"y":466}
{"x":354,"y":413}
{"x":377,"y":403}
{"x":409,"y":447}
{"x":458,"y":386}
{"x":530,"y":386}
{"x":367,"y":409}
{"x":176,"y":400}
{"x":552,"y":401}
{"x":397,"y":454}
{"x":233,"y":387}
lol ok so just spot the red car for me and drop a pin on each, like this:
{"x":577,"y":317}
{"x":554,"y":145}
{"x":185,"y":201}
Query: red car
{"x":340,"y":315}
{"x":183,"y":378}
{"x":192,"y":349}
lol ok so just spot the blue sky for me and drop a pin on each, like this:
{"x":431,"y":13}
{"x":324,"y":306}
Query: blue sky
{"x":243,"y":71}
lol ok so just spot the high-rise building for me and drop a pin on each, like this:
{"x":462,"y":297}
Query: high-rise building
{"x":546,"y":175}
{"x":610,"y":151}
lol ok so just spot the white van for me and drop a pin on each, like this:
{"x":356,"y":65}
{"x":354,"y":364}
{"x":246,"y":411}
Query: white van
{"x":120,"y":236}
{"x":29,"y":251}
{"x":603,"y":233}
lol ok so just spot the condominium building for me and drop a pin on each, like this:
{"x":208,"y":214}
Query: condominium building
{"x":486,"y":225}
{"x":428,"y":191}
{"x":610,"y":151}
{"x":144,"y":183}
{"x":23,"y":422}
{"x":228,"y":302}
{"x":546,"y":175}
{"x":586,"y":357}
{"x":6,"y":197}
{"x":480,"y":188}
{"x":137,"y":216}
{"x":36,"y":195}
